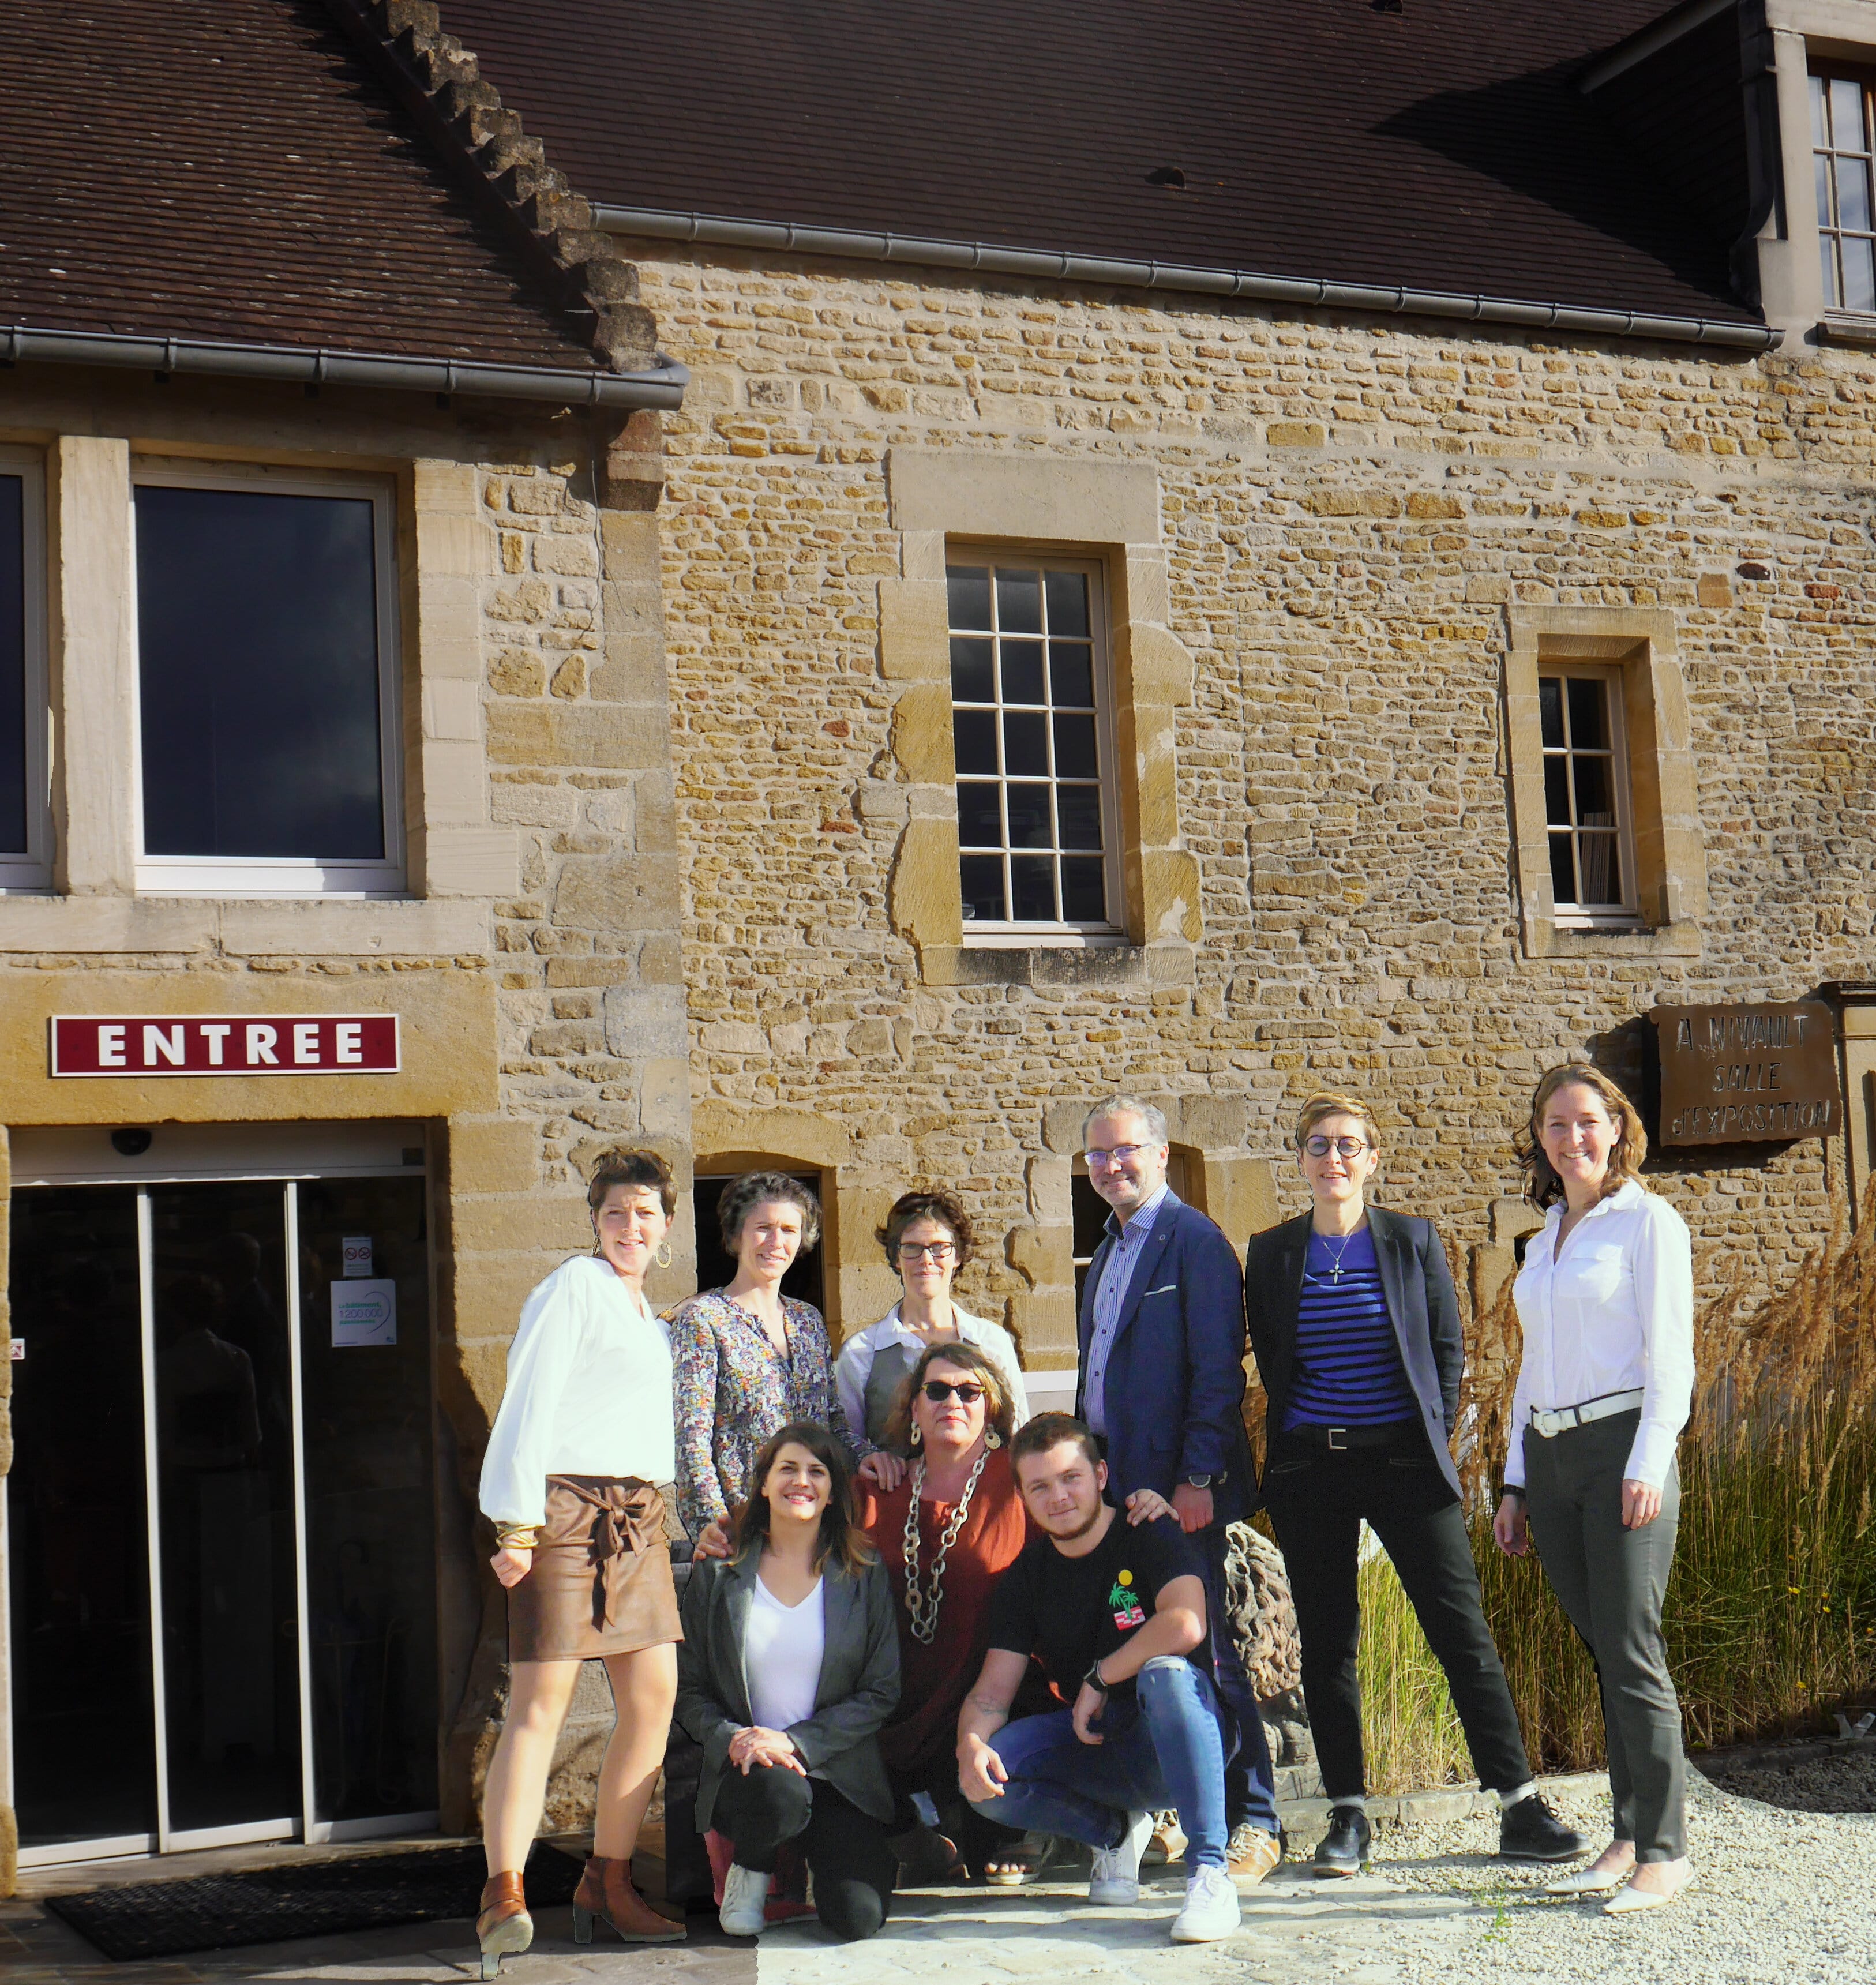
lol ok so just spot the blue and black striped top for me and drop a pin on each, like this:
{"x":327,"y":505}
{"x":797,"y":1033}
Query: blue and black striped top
{"x":1347,"y":1371}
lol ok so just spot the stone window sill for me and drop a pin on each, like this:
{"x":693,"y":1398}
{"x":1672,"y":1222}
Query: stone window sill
{"x":1121,"y":964}
{"x":265,"y":927}
{"x":1848,"y":328}
{"x":1546,"y":938}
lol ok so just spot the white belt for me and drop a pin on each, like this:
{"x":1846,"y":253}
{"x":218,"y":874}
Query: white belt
{"x":1550,"y":1425}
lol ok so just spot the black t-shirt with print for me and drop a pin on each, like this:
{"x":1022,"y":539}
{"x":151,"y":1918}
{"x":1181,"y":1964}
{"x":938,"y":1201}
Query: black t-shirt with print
{"x":1072,"y":1612}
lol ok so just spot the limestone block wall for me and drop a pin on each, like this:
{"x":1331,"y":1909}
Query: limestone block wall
{"x":1349,"y":514}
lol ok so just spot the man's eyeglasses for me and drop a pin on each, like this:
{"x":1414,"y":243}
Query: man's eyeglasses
{"x":1120,"y":1154}
{"x":937,"y":1252}
{"x":1343,"y":1147}
{"x":968,"y":1391}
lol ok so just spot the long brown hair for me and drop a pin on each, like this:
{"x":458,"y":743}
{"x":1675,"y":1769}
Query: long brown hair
{"x":1541,"y":1186}
{"x":998,"y":1411}
{"x":841,"y":1539}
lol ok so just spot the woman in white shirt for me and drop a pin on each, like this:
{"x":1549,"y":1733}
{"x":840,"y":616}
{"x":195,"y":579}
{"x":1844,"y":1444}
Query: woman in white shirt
{"x":1606,"y":1301}
{"x":569,"y":1480}
{"x":790,"y":1668}
{"x":928,"y":1239}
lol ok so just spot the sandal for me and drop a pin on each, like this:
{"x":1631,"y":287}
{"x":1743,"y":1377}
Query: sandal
{"x":1017,"y":1867}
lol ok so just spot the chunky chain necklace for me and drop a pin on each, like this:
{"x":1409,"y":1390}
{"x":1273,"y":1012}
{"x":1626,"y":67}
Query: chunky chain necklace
{"x":922,"y":1602}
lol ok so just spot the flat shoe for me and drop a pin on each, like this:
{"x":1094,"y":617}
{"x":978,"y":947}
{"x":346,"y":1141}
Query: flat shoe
{"x":1628,"y":1900}
{"x":1588,"y":1881}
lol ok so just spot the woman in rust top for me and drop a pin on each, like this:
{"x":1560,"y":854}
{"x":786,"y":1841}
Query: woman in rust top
{"x":953,"y":1523}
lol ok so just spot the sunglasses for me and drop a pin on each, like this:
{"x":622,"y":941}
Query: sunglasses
{"x":968,"y":1391}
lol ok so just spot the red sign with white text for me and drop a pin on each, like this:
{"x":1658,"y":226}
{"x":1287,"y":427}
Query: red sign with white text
{"x":226,"y":1044}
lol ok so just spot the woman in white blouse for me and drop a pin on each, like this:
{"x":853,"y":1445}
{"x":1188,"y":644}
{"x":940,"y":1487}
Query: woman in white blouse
{"x":1606,"y":1301}
{"x":927,"y":1237}
{"x":582,"y":1439}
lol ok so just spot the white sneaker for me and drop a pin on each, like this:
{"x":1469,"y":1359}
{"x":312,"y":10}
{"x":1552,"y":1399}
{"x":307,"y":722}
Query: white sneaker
{"x":1211,"y":1910}
{"x":744,"y":1893}
{"x":1116,"y":1881}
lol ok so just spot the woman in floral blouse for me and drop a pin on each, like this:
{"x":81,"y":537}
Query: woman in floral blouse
{"x":747,"y":1360}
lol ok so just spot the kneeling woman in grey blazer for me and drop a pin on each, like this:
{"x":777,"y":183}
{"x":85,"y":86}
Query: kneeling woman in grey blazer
{"x":1355,"y":1329}
{"x":788,"y":1669}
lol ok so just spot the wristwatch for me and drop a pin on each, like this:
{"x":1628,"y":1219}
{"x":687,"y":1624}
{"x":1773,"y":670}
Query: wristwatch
{"x":1200,"y":1481}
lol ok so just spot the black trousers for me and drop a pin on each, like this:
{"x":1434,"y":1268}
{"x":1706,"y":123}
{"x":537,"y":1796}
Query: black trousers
{"x":852,"y":1867}
{"x":1318,"y":1499}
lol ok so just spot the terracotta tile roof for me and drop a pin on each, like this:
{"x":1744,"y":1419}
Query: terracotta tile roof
{"x":1440,"y":147}
{"x":230,"y":170}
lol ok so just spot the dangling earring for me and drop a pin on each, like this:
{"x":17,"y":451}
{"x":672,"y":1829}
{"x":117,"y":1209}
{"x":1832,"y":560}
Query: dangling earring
{"x":663,"y":1257}
{"x":915,"y":1438}
{"x":993,"y":1439}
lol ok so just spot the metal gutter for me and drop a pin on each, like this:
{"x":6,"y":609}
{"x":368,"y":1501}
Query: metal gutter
{"x":1049,"y":265}
{"x":661,"y":386}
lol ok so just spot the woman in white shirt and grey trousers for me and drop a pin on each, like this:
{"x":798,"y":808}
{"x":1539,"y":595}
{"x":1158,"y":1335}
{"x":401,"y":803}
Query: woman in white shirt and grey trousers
{"x":583,"y":1437}
{"x":1606,"y":1301}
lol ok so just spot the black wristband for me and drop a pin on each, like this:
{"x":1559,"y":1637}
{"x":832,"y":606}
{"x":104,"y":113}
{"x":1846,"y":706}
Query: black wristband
{"x":1092,"y":1679}
{"x":1516,"y":1488}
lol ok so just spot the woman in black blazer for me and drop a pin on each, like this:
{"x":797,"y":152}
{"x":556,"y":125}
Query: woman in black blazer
{"x":788,"y":1669}
{"x":1355,"y":1329}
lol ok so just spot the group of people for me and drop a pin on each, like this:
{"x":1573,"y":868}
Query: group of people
{"x":925,"y":1635}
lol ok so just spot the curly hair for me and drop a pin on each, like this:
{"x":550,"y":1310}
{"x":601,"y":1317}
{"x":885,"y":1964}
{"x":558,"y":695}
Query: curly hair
{"x":938,"y":1206}
{"x":634,"y":1169}
{"x":1541,"y":1186}
{"x":998,"y":1411}
{"x":742,"y":1196}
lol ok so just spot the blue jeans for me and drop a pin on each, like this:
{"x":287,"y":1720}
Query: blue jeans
{"x":1169,"y":1752}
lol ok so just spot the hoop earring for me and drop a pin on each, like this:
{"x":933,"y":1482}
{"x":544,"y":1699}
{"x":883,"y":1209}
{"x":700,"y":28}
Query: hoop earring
{"x":993,"y":1439}
{"x":663,"y":1257}
{"x":915,"y":1438}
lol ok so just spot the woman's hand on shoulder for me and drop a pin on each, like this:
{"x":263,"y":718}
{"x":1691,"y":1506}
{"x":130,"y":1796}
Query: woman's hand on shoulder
{"x":715,"y":1541}
{"x":887,"y":1469}
{"x":513,"y":1566}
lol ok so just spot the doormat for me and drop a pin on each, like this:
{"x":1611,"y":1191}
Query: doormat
{"x":316,"y":1899}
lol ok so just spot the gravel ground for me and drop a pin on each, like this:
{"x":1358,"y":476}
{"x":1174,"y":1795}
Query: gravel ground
{"x":1845,"y":1783}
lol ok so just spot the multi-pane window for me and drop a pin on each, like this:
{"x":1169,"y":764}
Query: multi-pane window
{"x":1036,"y":820}
{"x":1592,"y":866}
{"x":23,"y":811}
{"x":1840,"y":157}
{"x":265,"y":651}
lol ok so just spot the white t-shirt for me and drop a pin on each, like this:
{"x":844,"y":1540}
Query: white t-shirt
{"x":588,"y":1393}
{"x":782,"y":1650}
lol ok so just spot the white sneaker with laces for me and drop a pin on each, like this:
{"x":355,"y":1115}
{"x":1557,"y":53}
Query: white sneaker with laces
{"x":1211,"y":1910}
{"x":744,"y":1894}
{"x":1116,"y":1884}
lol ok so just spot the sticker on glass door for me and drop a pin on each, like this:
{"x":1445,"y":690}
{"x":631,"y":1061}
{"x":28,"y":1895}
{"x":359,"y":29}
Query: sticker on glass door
{"x":364,"y":1313}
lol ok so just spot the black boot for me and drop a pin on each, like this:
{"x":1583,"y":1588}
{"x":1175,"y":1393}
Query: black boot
{"x":1345,"y":1848}
{"x":1529,"y":1831}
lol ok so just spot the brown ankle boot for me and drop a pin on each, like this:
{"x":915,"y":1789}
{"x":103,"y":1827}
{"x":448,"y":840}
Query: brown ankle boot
{"x":606,"y":1891}
{"x":504,"y":1926}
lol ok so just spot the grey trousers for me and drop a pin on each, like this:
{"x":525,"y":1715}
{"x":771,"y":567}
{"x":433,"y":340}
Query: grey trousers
{"x":1611,"y":1581}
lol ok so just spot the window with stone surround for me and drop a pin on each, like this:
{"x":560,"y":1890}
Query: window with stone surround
{"x":1609,"y":855}
{"x":267,"y":759}
{"x":1587,"y":796}
{"x":1031,"y":710}
{"x":25,"y":824}
{"x":1842,"y":130}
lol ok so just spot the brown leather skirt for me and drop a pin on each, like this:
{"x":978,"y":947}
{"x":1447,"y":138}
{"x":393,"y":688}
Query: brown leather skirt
{"x":601,"y":1582}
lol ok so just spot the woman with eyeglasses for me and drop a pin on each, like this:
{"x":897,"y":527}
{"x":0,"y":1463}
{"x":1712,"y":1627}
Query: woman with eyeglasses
{"x":1356,"y":1328}
{"x":927,"y":1239}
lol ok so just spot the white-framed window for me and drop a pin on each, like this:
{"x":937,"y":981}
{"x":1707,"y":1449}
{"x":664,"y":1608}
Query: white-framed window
{"x":1032,"y":733}
{"x":1586,"y":796}
{"x":267,"y":665}
{"x":26,"y":781}
{"x":1841,"y":159}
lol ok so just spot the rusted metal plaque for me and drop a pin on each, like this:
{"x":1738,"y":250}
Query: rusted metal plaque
{"x":1756,"y":1074}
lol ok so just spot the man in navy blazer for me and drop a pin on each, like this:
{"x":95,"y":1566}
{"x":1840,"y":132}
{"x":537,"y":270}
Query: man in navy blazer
{"x":1161,"y":1382}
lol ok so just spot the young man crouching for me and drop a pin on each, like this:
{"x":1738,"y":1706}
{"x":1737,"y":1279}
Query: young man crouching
{"x":1116,"y":1614}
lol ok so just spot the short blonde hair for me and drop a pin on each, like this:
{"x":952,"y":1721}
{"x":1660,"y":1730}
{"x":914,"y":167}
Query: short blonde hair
{"x":1542,"y":1185}
{"x":1334,"y":1102}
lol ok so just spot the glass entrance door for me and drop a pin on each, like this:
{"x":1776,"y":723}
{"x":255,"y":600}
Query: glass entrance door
{"x":222,"y":1591}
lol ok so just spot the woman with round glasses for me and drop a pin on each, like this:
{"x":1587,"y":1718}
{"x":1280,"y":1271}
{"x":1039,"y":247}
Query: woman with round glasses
{"x":1355,"y":1329}
{"x":927,"y":1238}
